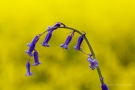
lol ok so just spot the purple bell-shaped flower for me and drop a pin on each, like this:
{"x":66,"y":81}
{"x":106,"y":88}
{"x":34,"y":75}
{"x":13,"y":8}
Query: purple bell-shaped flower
{"x":47,"y":39}
{"x":80,"y":40}
{"x":36,"y":60}
{"x":32,"y":45}
{"x":35,"y":40}
{"x":104,"y":87}
{"x":28,"y":69}
{"x":93,"y":63}
{"x":69,"y":38}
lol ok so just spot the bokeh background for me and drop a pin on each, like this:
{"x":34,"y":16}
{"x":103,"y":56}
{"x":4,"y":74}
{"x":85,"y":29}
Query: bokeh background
{"x":110,"y":27}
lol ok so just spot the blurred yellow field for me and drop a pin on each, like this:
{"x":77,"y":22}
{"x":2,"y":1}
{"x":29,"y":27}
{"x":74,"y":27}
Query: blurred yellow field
{"x":109,"y":26}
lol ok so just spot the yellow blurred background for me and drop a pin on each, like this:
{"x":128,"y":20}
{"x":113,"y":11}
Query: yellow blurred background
{"x":110,"y":27}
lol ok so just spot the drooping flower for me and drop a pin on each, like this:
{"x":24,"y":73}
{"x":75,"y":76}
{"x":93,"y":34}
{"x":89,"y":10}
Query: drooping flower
{"x":104,"y":87}
{"x":34,"y":40}
{"x":57,"y":25}
{"x":80,"y":40}
{"x":49,"y":35}
{"x":69,"y":38}
{"x":36,"y":60}
{"x":32,"y":45}
{"x":28,"y":69}
{"x":31,"y":48}
{"x":47,"y":38}
{"x":93,"y":63}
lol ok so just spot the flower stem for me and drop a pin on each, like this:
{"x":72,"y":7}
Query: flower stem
{"x":43,"y":33}
{"x":91,"y":50}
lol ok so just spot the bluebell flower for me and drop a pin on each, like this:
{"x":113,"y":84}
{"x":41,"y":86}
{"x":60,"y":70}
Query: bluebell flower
{"x":93,"y":63}
{"x":80,"y":40}
{"x":104,"y":87}
{"x":32,"y":45}
{"x":34,"y":40}
{"x":31,"y":48}
{"x":36,"y":60}
{"x":49,"y":34}
{"x":47,"y":38}
{"x":57,"y":25}
{"x":28,"y":69}
{"x":69,"y":38}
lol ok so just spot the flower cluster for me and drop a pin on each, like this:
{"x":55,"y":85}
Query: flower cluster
{"x":32,"y":52}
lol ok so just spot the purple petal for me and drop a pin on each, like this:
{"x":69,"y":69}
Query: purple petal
{"x":35,"y":40}
{"x":57,"y":24}
{"x":47,"y":38}
{"x":36,"y":60}
{"x":28,"y":69}
{"x":93,"y":63}
{"x":80,"y":39}
{"x":89,"y":59}
{"x":104,"y":87}
{"x":32,"y":45}
{"x":69,"y":38}
{"x":31,"y":48}
{"x":65,"y":45}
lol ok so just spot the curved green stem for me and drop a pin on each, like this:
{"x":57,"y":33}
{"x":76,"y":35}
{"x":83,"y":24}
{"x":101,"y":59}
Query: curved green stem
{"x":91,"y":50}
{"x":43,"y":33}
